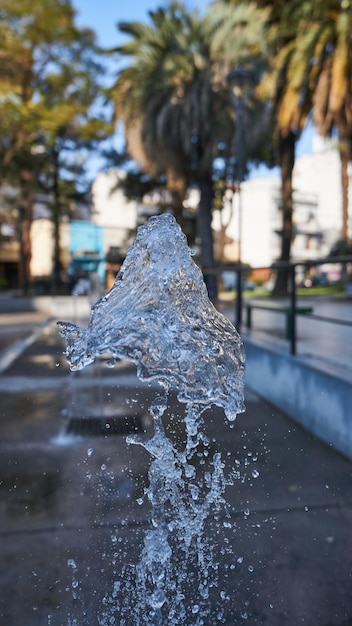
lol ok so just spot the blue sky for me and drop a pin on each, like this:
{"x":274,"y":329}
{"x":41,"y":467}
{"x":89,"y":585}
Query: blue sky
{"x":103,"y":15}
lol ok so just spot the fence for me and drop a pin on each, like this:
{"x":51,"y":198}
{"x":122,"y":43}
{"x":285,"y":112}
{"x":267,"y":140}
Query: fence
{"x":290,"y":308}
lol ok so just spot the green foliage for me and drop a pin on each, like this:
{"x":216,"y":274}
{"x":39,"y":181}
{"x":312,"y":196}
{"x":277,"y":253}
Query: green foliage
{"x":49,"y":81}
{"x":136,"y":185}
{"x":342,"y":247}
{"x":49,"y":85}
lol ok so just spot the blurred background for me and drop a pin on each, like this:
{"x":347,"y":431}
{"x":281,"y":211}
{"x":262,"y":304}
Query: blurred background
{"x":234,"y":116}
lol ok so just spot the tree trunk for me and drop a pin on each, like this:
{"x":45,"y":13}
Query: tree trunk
{"x":287,"y":143}
{"x":177,"y":207}
{"x":344,"y":159}
{"x":56,"y":275}
{"x":25,"y":223}
{"x":205,"y":234}
{"x":177,"y":185}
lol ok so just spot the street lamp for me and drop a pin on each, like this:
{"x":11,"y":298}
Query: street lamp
{"x":238,"y":79}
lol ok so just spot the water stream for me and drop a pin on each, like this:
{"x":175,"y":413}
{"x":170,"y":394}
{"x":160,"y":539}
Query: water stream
{"x":158,"y":315}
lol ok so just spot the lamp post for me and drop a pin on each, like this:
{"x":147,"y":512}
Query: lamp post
{"x":238,"y":79}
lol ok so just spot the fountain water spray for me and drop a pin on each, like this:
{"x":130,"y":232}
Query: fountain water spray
{"x":158,"y":315}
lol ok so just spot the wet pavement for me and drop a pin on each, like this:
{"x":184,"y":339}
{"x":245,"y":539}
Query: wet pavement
{"x":70,"y":520}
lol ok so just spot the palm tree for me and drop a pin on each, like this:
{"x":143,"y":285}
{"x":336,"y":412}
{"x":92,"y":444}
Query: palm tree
{"x":175,"y":112}
{"x":322,"y":66}
{"x":146,"y":96}
{"x":311,"y":71}
{"x":262,"y":35}
{"x":290,"y":110}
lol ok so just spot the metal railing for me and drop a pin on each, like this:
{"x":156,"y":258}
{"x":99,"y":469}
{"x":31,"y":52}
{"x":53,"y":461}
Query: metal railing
{"x":292,"y":308}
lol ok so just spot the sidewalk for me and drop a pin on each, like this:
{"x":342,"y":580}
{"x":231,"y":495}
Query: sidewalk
{"x":69,"y":516}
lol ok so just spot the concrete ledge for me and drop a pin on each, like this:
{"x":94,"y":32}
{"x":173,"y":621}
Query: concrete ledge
{"x":312,"y":395}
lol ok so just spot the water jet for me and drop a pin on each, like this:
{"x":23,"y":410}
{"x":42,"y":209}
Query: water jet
{"x":158,"y":315}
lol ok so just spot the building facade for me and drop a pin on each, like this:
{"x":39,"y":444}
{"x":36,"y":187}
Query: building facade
{"x":254,"y":216}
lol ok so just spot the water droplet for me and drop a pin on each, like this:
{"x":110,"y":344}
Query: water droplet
{"x":103,"y":467}
{"x":90,"y":451}
{"x":195,"y":608}
{"x":158,"y":599}
{"x":250,"y":568}
{"x":246,"y":512}
{"x":255,"y":473}
{"x":190,"y":471}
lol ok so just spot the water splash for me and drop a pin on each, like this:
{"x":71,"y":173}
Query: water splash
{"x":158,"y":315}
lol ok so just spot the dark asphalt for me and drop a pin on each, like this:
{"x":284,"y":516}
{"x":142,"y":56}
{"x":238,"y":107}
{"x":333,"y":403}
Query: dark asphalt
{"x":70,"y":519}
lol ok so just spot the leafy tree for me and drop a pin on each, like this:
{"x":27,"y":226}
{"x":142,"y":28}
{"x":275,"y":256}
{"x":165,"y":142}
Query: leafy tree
{"x":49,"y":82}
{"x":342,"y":247}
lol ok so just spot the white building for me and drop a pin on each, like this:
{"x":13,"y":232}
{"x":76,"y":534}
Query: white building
{"x":317,"y":210}
{"x":112,"y":210}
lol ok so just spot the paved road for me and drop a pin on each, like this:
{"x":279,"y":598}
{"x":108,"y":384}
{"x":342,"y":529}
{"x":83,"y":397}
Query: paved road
{"x":70,"y":520}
